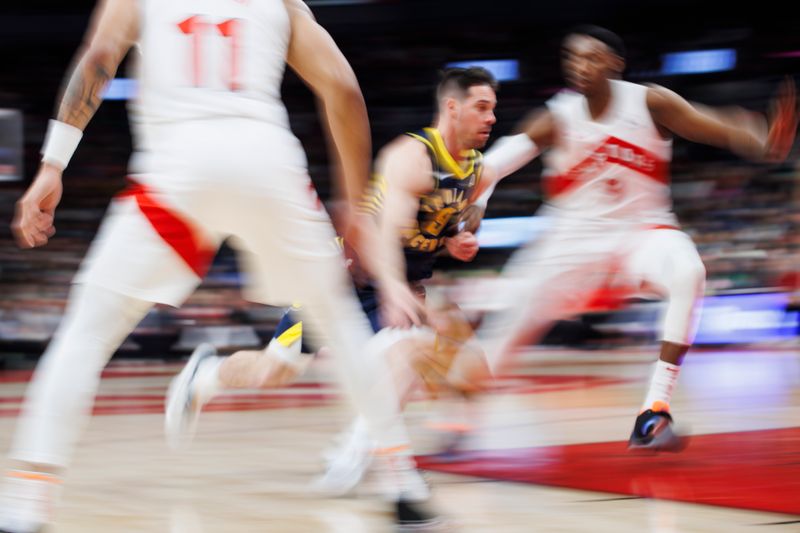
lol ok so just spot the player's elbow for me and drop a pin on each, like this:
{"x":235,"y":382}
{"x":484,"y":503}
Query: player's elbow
{"x":101,"y":57}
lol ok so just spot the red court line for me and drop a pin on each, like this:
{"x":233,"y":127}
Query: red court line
{"x":750,"y":470}
{"x":506,"y":383}
{"x":317,"y":394}
{"x":23,"y":376}
{"x":154,"y":404}
{"x":539,"y":384}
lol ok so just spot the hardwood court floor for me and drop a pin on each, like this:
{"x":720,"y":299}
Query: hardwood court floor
{"x":547,"y":454}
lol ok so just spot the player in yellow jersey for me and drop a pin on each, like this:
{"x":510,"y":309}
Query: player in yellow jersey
{"x":421,"y":193}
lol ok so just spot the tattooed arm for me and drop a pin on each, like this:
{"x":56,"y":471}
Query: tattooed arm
{"x":110,"y":35}
{"x":113,"y":30}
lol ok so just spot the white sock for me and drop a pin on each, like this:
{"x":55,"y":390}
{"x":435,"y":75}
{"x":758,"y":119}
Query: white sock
{"x":207,"y":383}
{"x":397,"y":477}
{"x":357,"y":435}
{"x":665,"y":376}
{"x":291,"y":354}
{"x":28,"y":500}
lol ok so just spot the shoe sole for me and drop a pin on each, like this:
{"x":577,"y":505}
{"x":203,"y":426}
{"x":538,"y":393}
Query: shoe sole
{"x":666,"y":441}
{"x":324,"y":486}
{"x":179,"y":427}
{"x":432,"y":526}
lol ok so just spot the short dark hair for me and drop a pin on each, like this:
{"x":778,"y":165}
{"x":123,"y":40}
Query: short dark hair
{"x":605,"y":36}
{"x":461,"y":79}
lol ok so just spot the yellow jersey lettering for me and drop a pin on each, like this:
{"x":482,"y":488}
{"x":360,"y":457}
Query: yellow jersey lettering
{"x":422,"y":244}
{"x":439,"y":221}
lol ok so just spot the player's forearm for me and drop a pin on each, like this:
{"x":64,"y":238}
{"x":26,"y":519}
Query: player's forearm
{"x":81,"y":97}
{"x":738,"y":130}
{"x":722,"y":132}
{"x":83,"y":90}
{"x":394,"y":222}
{"x":747,"y":144}
{"x":481,"y":201}
{"x":349,"y":127}
{"x":395,"y":262}
{"x":510,"y":154}
{"x":742,"y":132}
{"x":390,"y":267}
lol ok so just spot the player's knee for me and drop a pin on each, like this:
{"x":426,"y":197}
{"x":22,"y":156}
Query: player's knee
{"x":470,"y":370}
{"x":689,"y":276}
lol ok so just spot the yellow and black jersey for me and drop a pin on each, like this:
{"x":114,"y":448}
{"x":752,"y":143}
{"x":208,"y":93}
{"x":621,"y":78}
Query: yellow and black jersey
{"x":439,"y":209}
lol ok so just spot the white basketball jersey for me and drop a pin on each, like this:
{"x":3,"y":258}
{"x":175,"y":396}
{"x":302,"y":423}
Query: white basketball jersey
{"x":206,"y":59}
{"x":614,"y":168}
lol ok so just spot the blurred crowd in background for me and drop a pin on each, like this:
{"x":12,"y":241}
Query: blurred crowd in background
{"x":743,"y":216}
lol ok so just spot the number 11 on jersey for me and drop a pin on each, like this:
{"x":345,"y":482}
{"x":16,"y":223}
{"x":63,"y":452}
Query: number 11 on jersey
{"x":200,"y":29}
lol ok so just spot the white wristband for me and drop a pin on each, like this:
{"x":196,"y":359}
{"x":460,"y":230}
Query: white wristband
{"x":509,"y":154}
{"x":60,"y":143}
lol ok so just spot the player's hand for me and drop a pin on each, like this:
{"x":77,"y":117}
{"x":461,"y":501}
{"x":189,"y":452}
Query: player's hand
{"x":400,"y":306}
{"x":35,"y":211}
{"x":464,"y":246}
{"x":783,"y":125}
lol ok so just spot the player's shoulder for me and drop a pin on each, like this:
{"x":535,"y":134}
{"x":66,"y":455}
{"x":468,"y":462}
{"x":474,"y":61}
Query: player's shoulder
{"x":404,"y":147}
{"x":659,"y":97}
{"x":298,"y":7}
{"x":565,"y":95}
{"x":405,"y":160}
{"x":564,"y":99}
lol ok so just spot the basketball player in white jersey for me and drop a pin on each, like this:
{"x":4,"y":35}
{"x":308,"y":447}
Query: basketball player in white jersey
{"x":421,"y":194}
{"x":608,"y":200}
{"x":214,"y":158}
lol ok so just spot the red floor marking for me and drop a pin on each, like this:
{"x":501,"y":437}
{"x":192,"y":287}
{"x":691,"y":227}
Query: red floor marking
{"x":120,"y":404}
{"x":538,"y":384}
{"x":15,"y":376}
{"x":522,"y":384}
{"x":23,"y":376}
{"x":750,"y":470}
{"x":317,"y":394}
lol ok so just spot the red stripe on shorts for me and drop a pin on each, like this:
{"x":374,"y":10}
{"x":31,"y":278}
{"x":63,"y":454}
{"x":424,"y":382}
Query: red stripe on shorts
{"x":662,"y":226}
{"x":179,"y":234}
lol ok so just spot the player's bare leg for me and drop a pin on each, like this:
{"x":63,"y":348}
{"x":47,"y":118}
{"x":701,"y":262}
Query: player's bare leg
{"x":206,"y":375}
{"x":669,"y":265}
{"x":419,"y":358}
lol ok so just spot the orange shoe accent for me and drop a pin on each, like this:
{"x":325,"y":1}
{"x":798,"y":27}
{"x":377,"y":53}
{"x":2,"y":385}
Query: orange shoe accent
{"x":34,"y":476}
{"x":450,"y":426}
{"x":392,"y":450}
{"x":660,"y":407}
